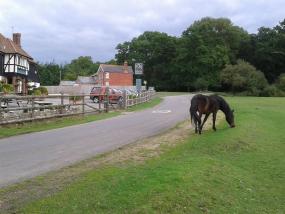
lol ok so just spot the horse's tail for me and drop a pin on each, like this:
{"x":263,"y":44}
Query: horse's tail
{"x":193,"y":112}
{"x":194,"y":108}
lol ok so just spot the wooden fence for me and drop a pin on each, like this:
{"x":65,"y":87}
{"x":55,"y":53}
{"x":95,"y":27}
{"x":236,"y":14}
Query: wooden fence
{"x":17,"y":109}
{"x":131,"y":100}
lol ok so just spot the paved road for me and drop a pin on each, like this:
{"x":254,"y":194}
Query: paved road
{"x":25,"y":156}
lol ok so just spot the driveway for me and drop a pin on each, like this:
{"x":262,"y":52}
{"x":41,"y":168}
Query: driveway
{"x":29,"y":155}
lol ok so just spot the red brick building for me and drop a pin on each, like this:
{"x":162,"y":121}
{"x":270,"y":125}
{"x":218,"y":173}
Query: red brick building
{"x":115,"y":75}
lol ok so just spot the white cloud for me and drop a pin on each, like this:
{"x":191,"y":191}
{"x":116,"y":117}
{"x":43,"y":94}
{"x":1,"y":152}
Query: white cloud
{"x":65,"y":29}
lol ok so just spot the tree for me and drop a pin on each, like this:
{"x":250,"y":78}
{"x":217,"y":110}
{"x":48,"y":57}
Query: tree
{"x":243,"y":77}
{"x":206,"y":47}
{"x":156,"y":51}
{"x":281,"y":82}
{"x":266,"y":51}
{"x":82,"y":66}
{"x":49,"y":73}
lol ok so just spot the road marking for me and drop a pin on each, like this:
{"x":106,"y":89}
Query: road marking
{"x":161,"y":111}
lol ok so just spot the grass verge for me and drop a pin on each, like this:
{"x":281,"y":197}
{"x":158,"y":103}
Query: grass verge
{"x":43,"y":125}
{"x":238,"y":170}
{"x":36,"y":126}
{"x":146,"y":105}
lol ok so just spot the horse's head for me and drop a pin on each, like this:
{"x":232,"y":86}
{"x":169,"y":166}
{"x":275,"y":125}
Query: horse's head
{"x":230,"y":118}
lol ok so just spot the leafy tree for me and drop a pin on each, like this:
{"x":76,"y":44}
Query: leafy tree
{"x":123,"y":52}
{"x":49,"y":73}
{"x":281,"y":82}
{"x":206,"y":47}
{"x":266,"y":51}
{"x":156,"y":50}
{"x":201,"y":84}
{"x":82,"y":66}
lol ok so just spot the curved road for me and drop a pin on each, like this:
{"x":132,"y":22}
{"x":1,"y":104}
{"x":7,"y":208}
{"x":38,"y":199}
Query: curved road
{"x":28,"y":155}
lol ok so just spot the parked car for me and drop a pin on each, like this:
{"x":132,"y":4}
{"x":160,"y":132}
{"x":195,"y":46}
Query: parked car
{"x":98,"y":94}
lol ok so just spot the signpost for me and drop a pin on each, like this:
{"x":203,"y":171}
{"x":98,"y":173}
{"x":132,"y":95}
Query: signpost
{"x":138,"y":71}
{"x":138,"y":68}
{"x":139,"y":84}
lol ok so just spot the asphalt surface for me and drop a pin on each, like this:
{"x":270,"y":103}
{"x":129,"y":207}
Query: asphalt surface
{"x":29,"y":155}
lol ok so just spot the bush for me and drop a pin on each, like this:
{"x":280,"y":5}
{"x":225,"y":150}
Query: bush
{"x":253,"y":91}
{"x":37,"y":92}
{"x":1,"y":87}
{"x":272,"y":91}
{"x":43,"y":90}
{"x":75,"y":98}
{"x":8,"y":88}
{"x":243,"y":77}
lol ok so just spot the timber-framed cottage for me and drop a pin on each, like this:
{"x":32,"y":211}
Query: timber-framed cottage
{"x":17,"y":67}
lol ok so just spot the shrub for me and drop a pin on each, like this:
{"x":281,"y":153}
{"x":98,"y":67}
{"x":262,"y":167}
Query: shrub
{"x":243,"y":77}
{"x":75,"y":98}
{"x":8,"y":88}
{"x":253,"y":91}
{"x":272,"y":91}
{"x":43,"y":90}
{"x":37,"y":92}
{"x":1,"y":87}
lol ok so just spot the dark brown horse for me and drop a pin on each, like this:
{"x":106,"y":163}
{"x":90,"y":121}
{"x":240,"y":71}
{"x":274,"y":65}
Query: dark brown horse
{"x":202,"y":104}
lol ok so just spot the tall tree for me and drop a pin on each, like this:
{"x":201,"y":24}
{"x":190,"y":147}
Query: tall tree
{"x":49,"y":73}
{"x":155,"y":50}
{"x":266,"y":51}
{"x":82,"y":66}
{"x":206,"y":47}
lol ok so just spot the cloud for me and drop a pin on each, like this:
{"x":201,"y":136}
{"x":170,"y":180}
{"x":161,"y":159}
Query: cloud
{"x":65,"y":29}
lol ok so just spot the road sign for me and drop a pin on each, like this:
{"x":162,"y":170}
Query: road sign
{"x":138,"y":84}
{"x":138,"y":68}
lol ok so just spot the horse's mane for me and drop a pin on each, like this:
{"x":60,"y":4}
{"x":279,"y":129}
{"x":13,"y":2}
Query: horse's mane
{"x":224,"y":106}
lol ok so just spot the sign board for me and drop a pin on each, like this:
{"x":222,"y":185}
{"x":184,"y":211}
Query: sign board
{"x":138,"y":68}
{"x":138,"y":84}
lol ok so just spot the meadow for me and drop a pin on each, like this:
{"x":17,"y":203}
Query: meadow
{"x":239,"y":170}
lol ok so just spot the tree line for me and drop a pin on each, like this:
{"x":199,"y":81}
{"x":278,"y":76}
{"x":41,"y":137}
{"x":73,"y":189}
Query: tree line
{"x":211,"y":54}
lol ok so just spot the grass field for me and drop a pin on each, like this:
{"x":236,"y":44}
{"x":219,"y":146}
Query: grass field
{"x":240,"y":170}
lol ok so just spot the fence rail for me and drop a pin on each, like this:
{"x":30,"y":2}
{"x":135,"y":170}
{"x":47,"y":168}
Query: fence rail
{"x":17,"y":109}
{"x":143,"y":97}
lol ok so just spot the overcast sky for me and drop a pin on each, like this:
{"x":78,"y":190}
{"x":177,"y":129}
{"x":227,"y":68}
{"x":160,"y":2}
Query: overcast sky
{"x":62,"y":30}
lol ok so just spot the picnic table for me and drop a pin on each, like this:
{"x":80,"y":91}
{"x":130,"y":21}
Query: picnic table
{"x":43,"y":103}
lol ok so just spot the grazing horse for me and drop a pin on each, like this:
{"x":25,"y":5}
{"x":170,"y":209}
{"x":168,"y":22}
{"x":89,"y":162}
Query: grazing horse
{"x":202,"y":104}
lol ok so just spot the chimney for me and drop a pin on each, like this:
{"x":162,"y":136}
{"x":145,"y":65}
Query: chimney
{"x":17,"y":38}
{"x":126,"y":70}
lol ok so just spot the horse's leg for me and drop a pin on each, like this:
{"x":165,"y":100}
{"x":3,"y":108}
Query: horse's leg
{"x":199,"y":122}
{"x":196,"y":125}
{"x":205,"y":119}
{"x":214,"y":120}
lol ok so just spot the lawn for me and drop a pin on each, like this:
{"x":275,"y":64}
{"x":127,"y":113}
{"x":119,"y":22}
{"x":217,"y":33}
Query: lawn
{"x":238,"y":170}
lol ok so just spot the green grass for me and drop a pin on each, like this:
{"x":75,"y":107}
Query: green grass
{"x":238,"y":170}
{"x":145,"y":105}
{"x":36,"y":126}
{"x":166,"y":93}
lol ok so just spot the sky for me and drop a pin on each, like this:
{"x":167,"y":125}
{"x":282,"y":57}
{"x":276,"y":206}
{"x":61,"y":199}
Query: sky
{"x":62,"y":30}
